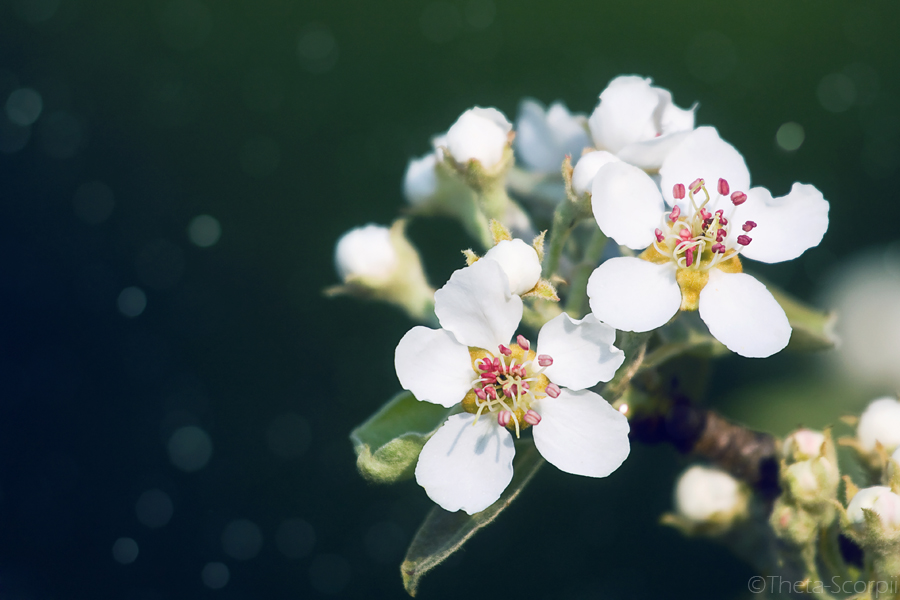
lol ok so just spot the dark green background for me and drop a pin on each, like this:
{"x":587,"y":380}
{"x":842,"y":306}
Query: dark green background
{"x":164,"y":110}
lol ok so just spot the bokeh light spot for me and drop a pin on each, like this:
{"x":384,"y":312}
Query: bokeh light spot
{"x":836,"y":92}
{"x":154,"y":508}
{"x":190,"y":448}
{"x":242,"y":539}
{"x":132,"y":301}
{"x":316,"y":48}
{"x":295,"y":538}
{"x":125,"y":550}
{"x":23,"y":107}
{"x":93,"y":202}
{"x":790,"y":136}
{"x":215,"y":575}
{"x":204,"y":231}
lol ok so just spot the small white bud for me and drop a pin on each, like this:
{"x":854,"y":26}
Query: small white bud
{"x":520,"y":263}
{"x":880,"y":422}
{"x":879,"y":499}
{"x":803,"y":444}
{"x":479,"y":134}
{"x":420,"y":181}
{"x":586,"y":169}
{"x":703,"y":494}
{"x":366,"y":252}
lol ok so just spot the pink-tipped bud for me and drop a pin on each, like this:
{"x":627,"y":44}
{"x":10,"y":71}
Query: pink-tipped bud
{"x":689,"y":256}
{"x":545,"y":360}
{"x":678,"y":191}
{"x":743,"y":240}
{"x":532,"y":418}
{"x":723,"y":188}
{"x":718,"y":248}
{"x":676,"y":212}
{"x":748,"y":226}
{"x":705,"y":214}
{"x":696,"y":185}
{"x":738,"y":198}
{"x":659,"y":235}
{"x":720,"y":235}
{"x":522,"y":342}
{"x":503,"y":418}
{"x":553,"y":390}
{"x":505,"y":351}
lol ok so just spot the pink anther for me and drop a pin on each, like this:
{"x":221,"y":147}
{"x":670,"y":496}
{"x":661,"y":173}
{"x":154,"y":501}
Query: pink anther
{"x":544,"y":360}
{"x":553,"y":390}
{"x":738,"y":198}
{"x":512,"y":390}
{"x":705,"y":214}
{"x":718,"y":248}
{"x":522,"y":342}
{"x":503,"y":418}
{"x":696,"y":185}
{"x":720,"y":235}
{"x":748,"y":226}
{"x":685,"y":234}
{"x":532,"y":418}
{"x":689,"y":256}
{"x":480,"y":393}
{"x":743,"y":240}
{"x":723,"y":188}
{"x":505,"y":351}
{"x":659,"y":235}
{"x":491,"y":392}
{"x":678,"y":191}
{"x":676,"y":212}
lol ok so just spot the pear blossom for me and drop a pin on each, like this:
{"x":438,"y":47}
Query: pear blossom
{"x":545,"y":136}
{"x":879,"y":499}
{"x":479,"y":134}
{"x":704,"y":493}
{"x":880,"y":422}
{"x":506,"y":387}
{"x":638,"y":122}
{"x":692,"y":252}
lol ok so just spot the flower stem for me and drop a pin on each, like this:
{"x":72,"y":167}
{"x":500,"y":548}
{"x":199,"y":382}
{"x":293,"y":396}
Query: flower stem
{"x":575,"y":303}
{"x":565,"y":218}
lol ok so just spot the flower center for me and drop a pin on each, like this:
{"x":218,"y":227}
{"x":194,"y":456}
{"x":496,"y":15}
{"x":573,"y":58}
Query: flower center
{"x":699,"y":238}
{"x":507,"y":383}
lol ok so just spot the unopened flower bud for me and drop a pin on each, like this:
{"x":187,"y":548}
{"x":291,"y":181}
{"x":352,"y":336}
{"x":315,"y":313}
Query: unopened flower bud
{"x":367,"y":253}
{"x":723,"y":188}
{"x":420,"y":181}
{"x":480,"y":134}
{"x":880,"y":422}
{"x":705,"y":494}
{"x":738,"y":198}
{"x":803,"y":444}
{"x":879,"y":499}
{"x":520,"y":263}
{"x":586,"y":169}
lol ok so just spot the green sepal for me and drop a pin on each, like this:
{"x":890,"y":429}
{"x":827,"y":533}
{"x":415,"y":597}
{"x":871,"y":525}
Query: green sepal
{"x":388,"y":444}
{"x":443,"y":533}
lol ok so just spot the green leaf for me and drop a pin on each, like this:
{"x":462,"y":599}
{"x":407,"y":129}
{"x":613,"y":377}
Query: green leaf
{"x":813,"y":329}
{"x":443,"y":533}
{"x":388,"y":444}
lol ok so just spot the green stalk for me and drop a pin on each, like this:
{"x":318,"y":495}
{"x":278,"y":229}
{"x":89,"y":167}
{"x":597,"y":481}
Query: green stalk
{"x":575,"y":303}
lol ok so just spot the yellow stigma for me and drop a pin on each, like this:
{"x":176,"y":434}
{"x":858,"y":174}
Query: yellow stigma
{"x":693,"y":279}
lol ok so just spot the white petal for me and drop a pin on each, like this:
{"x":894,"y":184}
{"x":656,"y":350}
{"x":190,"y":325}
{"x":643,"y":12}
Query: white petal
{"x":673,"y":119}
{"x":704,"y":154}
{"x":880,"y":422}
{"x":742,"y":314}
{"x":580,"y":433}
{"x":586,"y":169}
{"x":625,"y":113}
{"x":366,"y":252}
{"x":477,"y":306}
{"x":479,"y":134}
{"x":650,"y":154}
{"x":520,"y":263}
{"x":544,"y":138}
{"x":626,"y":204}
{"x":466,"y":466}
{"x":432,"y":365}
{"x":634,"y":295}
{"x":786,"y":226}
{"x":420,"y":180}
{"x":583,"y":352}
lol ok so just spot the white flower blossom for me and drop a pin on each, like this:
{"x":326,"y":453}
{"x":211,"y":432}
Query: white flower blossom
{"x":507,"y":387}
{"x":879,"y":499}
{"x":880,"y":422}
{"x":639,"y":122}
{"x":692,"y":260}
{"x":480,"y":134}
{"x":586,"y":169}
{"x":545,"y":136}
{"x":366,"y":252}
{"x":704,"y":493}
